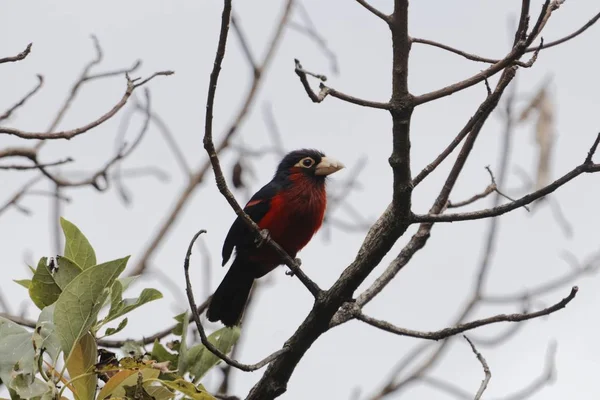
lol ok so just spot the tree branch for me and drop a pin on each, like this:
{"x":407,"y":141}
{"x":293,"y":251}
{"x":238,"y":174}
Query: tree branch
{"x":7,"y":114}
{"x":131,"y":86}
{"x":325,"y":90}
{"x":486,"y":370}
{"x":505,"y":208}
{"x":374,"y":11}
{"x":447,"y":332}
{"x":18,"y":57}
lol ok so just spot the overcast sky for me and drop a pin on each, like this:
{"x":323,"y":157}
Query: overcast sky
{"x":181,"y":35}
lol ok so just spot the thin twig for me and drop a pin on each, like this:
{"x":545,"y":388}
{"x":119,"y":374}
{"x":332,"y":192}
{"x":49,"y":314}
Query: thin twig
{"x":7,"y":114}
{"x":486,"y":370}
{"x":447,"y":332}
{"x":19,"y":56}
{"x":374,"y":11}
{"x":325,"y":90}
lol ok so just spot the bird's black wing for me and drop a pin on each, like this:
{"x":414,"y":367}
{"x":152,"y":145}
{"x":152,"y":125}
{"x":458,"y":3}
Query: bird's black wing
{"x":257,"y":207}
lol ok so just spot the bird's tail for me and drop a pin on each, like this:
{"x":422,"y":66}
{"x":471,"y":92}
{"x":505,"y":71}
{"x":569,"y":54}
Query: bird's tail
{"x":229,"y":300}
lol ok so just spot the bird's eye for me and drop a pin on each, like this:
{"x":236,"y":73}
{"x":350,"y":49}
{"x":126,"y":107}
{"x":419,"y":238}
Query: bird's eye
{"x":307,"y":162}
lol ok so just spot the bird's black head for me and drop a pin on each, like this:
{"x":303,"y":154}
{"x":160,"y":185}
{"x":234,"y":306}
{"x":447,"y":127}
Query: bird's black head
{"x":312,"y":163}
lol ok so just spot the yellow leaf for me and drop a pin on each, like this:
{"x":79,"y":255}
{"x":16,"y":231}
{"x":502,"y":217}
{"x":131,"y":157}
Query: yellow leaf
{"x":82,"y":361}
{"x":114,"y":382}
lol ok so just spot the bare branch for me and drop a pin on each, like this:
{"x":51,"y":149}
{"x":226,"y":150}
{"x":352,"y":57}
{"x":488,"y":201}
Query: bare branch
{"x":447,"y":332}
{"x":19,"y":56}
{"x":131,"y":86}
{"x":190,"y":294}
{"x":468,"y":56}
{"x":568,"y":37}
{"x":522,"y":394}
{"x":37,"y":165}
{"x":486,"y":370}
{"x":325,"y":90}
{"x":374,"y":11}
{"x":7,"y":114}
{"x":505,"y":208}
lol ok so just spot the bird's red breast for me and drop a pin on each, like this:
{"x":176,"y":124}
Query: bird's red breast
{"x":295,"y":215}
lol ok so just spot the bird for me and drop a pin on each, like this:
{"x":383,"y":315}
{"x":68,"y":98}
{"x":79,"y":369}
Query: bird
{"x":290,"y":209}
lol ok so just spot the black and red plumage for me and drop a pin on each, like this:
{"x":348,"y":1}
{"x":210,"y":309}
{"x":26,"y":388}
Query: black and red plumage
{"x":291,"y":208}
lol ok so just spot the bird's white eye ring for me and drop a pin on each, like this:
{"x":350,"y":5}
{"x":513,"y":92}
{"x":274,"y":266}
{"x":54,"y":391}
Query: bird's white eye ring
{"x":306,"y":162}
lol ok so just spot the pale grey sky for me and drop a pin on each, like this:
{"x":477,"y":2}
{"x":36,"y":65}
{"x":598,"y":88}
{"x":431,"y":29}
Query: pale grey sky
{"x":181,"y":35}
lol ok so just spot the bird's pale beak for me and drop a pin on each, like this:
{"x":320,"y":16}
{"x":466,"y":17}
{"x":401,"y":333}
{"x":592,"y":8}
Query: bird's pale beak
{"x":328,"y":166}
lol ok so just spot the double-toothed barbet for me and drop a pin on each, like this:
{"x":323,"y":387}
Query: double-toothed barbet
{"x":291,"y":208}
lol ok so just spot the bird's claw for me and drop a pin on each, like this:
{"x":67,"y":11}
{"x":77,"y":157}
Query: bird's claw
{"x":298,"y":263}
{"x":264,"y":237}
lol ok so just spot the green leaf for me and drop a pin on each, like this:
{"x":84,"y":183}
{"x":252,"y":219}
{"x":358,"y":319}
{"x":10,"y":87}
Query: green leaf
{"x":160,"y":353}
{"x":66,"y":271}
{"x":45,"y":335}
{"x":77,"y":247}
{"x":119,"y":328}
{"x":202,"y":360}
{"x":26,"y":283}
{"x":47,"y":283}
{"x":179,"y":327}
{"x":182,"y":364}
{"x":81,"y":361}
{"x":120,"y":307}
{"x":77,"y":307}
{"x":43,"y":289}
{"x":125,"y":283}
{"x":188,"y":389}
{"x":16,"y":350}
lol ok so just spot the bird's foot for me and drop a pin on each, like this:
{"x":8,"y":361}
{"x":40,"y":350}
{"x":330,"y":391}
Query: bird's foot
{"x":265,"y":235}
{"x":298,"y":263}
